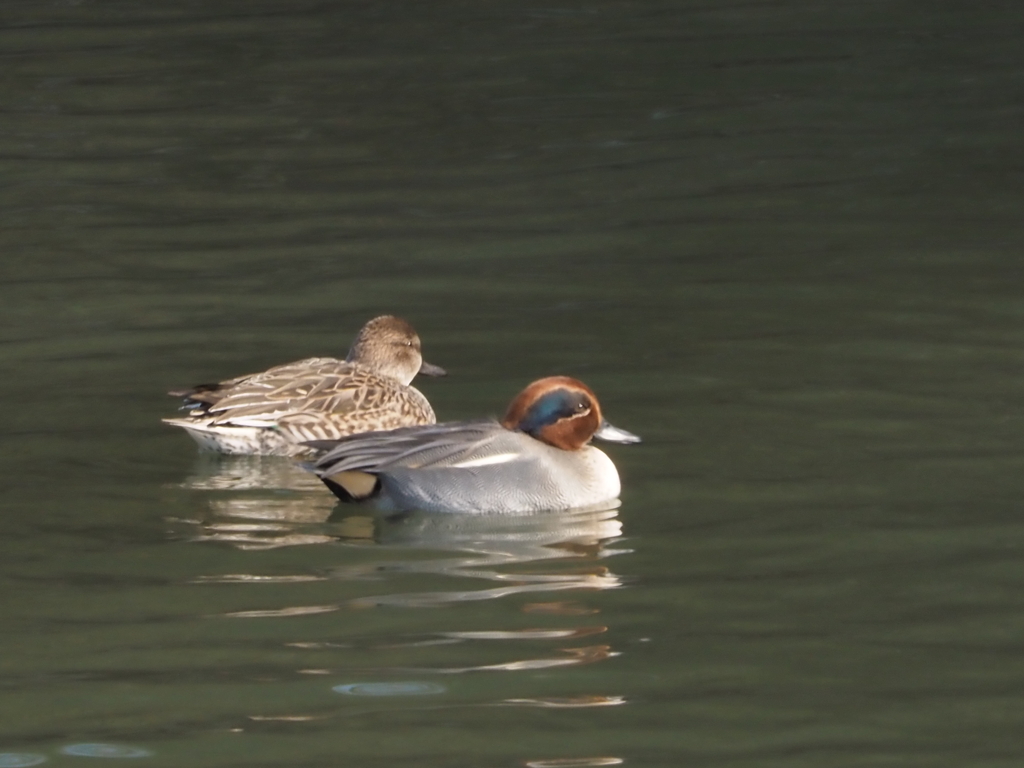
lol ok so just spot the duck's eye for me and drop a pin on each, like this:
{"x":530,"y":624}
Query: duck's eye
{"x":582,"y":407}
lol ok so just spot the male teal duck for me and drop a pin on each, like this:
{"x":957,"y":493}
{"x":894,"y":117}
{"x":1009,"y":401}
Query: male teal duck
{"x":320,"y":398}
{"x":536,"y":458}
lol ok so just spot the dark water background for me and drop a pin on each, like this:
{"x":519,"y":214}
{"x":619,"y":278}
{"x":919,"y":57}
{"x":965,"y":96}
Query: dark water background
{"x":781,"y":239}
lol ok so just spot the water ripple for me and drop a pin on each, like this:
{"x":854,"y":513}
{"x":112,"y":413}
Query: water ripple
{"x":409,"y":688}
{"x":105,"y":750}
{"x":20,"y":759}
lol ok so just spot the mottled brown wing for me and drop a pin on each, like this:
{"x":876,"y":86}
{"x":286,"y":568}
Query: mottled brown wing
{"x":311,"y":366}
{"x":290,"y":389}
{"x":377,"y":409}
{"x":211,"y":394}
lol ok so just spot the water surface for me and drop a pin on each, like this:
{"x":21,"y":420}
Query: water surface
{"x":780,"y":239}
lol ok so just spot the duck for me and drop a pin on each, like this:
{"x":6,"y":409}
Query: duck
{"x":536,"y":458}
{"x":275,"y":412}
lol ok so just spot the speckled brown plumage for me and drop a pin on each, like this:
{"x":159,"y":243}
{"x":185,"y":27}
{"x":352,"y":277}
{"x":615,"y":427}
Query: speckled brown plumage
{"x":319,"y":398}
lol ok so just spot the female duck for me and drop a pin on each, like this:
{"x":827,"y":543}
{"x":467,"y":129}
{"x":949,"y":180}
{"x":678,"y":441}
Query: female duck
{"x":535,"y":459}
{"x":320,"y":398}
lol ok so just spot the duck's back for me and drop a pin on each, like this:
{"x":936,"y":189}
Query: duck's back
{"x":473,"y":468}
{"x":320,"y":391}
{"x":320,"y":398}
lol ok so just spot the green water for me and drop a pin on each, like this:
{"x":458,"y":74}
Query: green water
{"x":782,"y":241}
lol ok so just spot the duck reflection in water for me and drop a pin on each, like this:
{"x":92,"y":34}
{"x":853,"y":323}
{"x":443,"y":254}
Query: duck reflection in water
{"x":532,"y":556}
{"x":487,"y":545}
{"x":550,"y":558}
{"x":266,"y":502}
{"x":260,"y":502}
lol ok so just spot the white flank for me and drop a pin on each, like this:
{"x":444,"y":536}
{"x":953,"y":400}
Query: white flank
{"x":256,"y":422}
{"x":501,"y":458}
